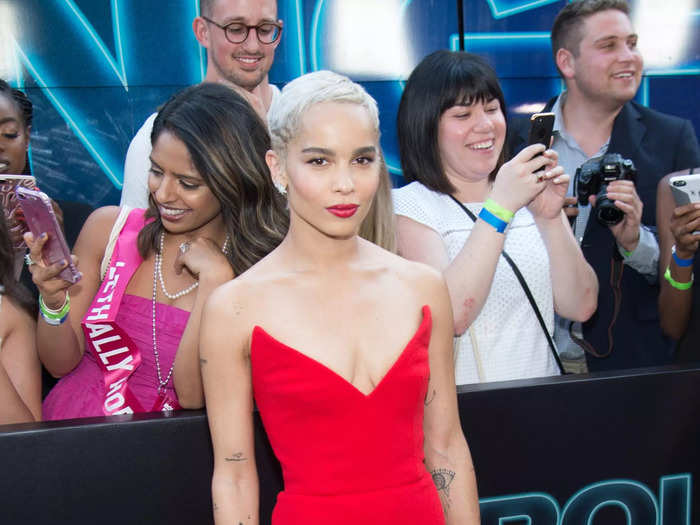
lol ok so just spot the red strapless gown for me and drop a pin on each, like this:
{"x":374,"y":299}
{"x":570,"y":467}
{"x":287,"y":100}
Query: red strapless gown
{"x":347,"y":458}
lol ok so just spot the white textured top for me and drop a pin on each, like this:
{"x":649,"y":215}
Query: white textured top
{"x":510,"y":340}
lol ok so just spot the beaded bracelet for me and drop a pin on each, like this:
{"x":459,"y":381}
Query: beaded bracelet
{"x":54,"y":317}
{"x":676,"y":284}
{"x":680,"y":262}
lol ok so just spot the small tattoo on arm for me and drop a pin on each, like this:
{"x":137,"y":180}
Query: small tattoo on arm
{"x":216,"y":507}
{"x":202,"y":361}
{"x":238,"y":456}
{"x":429,"y":397}
{"x":443,"y":479}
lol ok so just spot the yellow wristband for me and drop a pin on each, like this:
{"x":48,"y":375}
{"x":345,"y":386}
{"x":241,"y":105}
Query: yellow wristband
{"x":498,"y":210}
{"x":678,"y":285}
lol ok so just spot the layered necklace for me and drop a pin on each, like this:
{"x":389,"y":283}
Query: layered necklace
{"x":158,"y":277}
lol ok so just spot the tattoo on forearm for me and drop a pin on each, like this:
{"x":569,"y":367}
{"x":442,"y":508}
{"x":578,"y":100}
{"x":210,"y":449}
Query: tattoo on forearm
{"x":443,"y":479}
{"x":429,"y":397}
{"x":238,"y":456}
{"x":202,"y":361}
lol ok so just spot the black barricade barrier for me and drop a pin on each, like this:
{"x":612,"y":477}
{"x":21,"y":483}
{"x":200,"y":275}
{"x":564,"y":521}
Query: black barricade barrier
{"x":612,"y":449}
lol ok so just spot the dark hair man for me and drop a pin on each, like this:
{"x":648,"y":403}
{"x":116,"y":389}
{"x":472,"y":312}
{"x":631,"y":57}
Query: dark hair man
{"x":595,"y":50}
{"x":240,"y":37}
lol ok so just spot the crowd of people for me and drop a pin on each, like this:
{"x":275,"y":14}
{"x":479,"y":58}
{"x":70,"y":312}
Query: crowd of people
{"x":259,"y":255}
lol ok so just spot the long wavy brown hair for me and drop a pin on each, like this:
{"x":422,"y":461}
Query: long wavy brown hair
{"x":227,"y":142}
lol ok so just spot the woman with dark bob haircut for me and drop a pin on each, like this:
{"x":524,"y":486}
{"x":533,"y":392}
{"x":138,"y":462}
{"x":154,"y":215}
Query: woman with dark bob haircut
{"x":130,"y":343}
{"x":464,"y":206}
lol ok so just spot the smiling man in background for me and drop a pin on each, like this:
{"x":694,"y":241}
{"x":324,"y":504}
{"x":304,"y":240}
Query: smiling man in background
{"x":241,"y":37}
{"x":595,"y":50}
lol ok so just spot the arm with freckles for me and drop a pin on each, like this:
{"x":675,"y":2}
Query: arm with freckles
{"x":447,"y":455}
{"x":226,"y":375}
{"x":470,"y":274}
{"x":574,"y":283}
{"x":204,"y":259}
{"x":61,"y":347}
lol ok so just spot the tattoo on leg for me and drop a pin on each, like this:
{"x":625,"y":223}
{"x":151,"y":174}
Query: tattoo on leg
{"x":443,"y":479}
{"x":238,"y":456}
{"x":429,"y":397}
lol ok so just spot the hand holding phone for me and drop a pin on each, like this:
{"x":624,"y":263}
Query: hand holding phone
{"x":40,"y":217}
{"x":685,"y":188}
{"x":541,"y":128}
{"x":13,"y":213}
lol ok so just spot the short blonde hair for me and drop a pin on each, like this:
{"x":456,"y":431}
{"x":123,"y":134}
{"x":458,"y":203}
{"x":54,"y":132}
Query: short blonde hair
{"x":308,"y":90}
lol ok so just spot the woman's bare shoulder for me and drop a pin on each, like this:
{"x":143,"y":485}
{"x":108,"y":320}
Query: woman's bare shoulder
{"x":95,"y":232}
{"x":415,"y":272}
{"x":242,"y":295}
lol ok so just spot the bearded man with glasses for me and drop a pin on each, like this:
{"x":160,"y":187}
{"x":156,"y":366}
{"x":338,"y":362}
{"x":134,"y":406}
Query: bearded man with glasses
{"x":240,"y":37}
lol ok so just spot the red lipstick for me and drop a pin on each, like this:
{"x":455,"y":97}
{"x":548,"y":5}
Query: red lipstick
{"x":343,"y":210}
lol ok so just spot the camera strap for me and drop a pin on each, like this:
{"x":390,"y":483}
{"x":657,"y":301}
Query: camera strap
{"x":616,"y":269}
{"x":526,"y":289}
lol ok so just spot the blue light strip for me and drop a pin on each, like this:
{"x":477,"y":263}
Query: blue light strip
{"x":519,"y":9}
{"x":673,"y":72}
{"x":118,"y":41}
{"x":98,"y":41}
{"x":66,"y":116}
{"x":496,"y":37}
{"x":300,"y":37}
{"x":202,"y":65}
{"x":404,"y":6}
{"x":645,"y":91}
{"x":314,"y":35}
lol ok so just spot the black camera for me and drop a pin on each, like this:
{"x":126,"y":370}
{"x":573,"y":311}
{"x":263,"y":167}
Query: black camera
{"x":593,"y":177}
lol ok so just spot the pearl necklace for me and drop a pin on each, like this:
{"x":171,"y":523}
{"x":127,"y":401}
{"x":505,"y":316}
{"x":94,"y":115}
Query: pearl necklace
{"x":158,"y":275}
{"x":157,"y":267}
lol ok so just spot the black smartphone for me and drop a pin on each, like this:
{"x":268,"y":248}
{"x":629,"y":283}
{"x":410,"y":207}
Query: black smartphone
{"x":41,"y":218}
{"x":541,"y":126}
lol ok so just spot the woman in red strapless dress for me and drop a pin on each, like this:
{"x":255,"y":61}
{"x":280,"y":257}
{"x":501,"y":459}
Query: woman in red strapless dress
{"x":345,"y":347}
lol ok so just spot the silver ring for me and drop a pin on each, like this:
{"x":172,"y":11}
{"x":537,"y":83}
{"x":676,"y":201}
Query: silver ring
{"x":28,"y":259}
{"x":184,"y":247}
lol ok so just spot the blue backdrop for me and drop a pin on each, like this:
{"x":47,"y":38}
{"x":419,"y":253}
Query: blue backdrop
{"x":95,"y":69}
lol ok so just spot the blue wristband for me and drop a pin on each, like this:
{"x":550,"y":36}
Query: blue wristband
{"x":680,"y":262}
{"x":488,"y":217}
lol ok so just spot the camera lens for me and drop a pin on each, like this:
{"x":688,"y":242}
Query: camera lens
{"x":608,"y":214}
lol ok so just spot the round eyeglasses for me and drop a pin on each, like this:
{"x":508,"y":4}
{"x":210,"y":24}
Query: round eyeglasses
{"x":237,"y":32}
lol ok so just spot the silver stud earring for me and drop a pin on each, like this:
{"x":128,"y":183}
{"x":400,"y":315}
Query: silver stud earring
{"x":281,"y":188}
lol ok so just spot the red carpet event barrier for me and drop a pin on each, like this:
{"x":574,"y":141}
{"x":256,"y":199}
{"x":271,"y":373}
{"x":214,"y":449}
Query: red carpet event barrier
{"x":605,"y":449}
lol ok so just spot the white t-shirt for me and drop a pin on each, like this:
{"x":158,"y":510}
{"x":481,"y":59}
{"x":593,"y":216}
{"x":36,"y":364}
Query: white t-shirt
{"x":137,"y":163}
{"x":509,"y":340}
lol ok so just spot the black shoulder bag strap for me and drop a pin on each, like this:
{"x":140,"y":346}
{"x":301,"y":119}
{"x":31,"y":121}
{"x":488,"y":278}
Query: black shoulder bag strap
{"x":526,"y":289}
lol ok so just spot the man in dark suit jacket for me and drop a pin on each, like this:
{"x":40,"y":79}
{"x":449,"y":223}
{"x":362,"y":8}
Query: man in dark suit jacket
{"x":595,"y":49}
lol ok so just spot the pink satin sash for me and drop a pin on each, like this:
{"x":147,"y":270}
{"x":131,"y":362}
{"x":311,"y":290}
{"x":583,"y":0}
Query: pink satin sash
{"x":117,"y":355}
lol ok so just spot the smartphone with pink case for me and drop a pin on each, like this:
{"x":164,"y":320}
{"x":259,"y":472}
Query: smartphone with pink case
{"x":40,"y":218}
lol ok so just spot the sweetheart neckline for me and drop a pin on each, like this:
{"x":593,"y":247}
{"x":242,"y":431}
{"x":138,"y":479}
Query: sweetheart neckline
{"x":425,"y":321}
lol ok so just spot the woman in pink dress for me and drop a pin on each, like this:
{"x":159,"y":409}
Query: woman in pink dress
{"x":124,"y":338}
